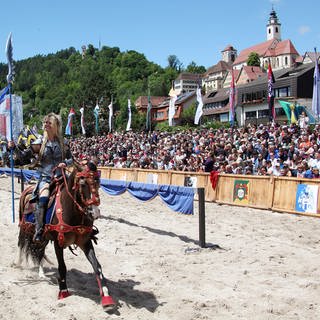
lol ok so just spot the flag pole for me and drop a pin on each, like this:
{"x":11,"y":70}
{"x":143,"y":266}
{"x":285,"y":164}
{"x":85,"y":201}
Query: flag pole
{"x":9,"y":81}
{"x":318,"y":111}
{"x":11,"y":155}
{"x":111,"y":118}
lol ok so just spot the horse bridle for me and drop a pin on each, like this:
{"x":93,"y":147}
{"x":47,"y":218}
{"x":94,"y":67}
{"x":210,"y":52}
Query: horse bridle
{"x":88,"y":176}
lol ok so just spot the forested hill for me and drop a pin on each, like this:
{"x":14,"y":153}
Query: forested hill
{"x":57,"y":82}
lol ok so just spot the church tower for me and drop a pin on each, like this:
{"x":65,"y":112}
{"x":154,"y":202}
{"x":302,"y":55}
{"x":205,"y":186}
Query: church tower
{"x":273,"y":27}
{"x":229,"y":54}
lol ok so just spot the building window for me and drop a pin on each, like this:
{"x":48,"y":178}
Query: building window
{"x":251,"y":115}
{"x":286,"y":61}
{"x":269,"y":30}
{"x":280,"y":112}
{"x":282,"y":92}
{"x":159,"y":115}
{"x":276,"y":29}
{"x":263,"y":113}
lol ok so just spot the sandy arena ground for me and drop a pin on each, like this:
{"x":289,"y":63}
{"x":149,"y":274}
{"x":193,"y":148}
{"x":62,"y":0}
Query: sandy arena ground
{"x":263,"y":265}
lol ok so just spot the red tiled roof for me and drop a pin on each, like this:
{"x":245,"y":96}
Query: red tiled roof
{"x":285,"y":47}
{"x":189,"y":76}
{"x":268,"y":48}
{"x":228,"y":47}
{"x":252,"y":72}
{"x":221,"y":95}
{"x":142,"y":101}
{"x":312,"y":56}
{"x":260,"y":49}
{"x":220,"y":66}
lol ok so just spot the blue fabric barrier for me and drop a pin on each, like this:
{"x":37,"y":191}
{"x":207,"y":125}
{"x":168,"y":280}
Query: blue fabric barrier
{"x":27,"y":174}
{"x":177,"y":198}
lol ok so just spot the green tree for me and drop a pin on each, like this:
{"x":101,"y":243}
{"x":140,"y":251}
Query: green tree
{"x":58,"y":81}
{"x":174,"y":63}
{"x":253,"y":59}
{"x":187,"y":116}
{"x":193,"y":68}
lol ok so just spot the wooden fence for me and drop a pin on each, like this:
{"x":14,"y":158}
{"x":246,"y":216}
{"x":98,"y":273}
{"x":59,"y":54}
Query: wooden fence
{"x":263,"y":192}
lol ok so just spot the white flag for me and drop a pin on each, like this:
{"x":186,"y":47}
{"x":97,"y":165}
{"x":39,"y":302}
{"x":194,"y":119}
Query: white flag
{"x":110,"y":106}
{"x":199,"y":111}
{"x":316,"y":89}
{"x":172,"y":110}
{"x":82,"y":121}
{"x":129,"y":115}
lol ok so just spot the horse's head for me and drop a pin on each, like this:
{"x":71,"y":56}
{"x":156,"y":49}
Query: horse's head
{"x":87,"y":182}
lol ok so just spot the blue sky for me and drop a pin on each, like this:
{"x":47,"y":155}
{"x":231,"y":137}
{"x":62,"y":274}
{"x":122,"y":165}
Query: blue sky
{"x":192,"y":30}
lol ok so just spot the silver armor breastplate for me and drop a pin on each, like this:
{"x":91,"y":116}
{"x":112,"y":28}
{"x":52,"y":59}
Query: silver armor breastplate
{"x":51,"y":157}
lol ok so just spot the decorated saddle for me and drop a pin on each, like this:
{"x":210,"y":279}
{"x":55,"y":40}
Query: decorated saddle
{"x":29,"y":206}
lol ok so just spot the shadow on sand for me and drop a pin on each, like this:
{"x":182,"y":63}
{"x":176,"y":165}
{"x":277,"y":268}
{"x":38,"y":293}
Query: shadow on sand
{"x":123,"y":291}
{"x":162,"y":232}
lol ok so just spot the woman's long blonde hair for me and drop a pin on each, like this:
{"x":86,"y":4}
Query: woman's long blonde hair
{"x":57,"y":125}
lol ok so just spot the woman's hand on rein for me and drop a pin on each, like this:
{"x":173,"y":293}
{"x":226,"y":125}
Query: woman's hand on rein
{"x":62,"y":165}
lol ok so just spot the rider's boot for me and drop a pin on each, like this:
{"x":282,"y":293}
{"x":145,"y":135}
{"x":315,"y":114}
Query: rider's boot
{"x":39,"y":214}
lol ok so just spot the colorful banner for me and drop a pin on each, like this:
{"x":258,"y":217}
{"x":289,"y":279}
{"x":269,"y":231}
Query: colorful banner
{"x":68,"y":130}
{"x":241,"y":191}
{"x":307,"y":198}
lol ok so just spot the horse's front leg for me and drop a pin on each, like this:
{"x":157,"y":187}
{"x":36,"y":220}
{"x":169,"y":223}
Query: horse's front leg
{"x":106,"y":300}
{"x":63,"y":292}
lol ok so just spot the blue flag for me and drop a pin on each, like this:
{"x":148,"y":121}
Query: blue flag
{"x":3,"y":93}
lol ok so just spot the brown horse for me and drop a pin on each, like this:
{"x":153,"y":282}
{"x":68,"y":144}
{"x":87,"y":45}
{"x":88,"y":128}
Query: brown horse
{"x":75,"y":202}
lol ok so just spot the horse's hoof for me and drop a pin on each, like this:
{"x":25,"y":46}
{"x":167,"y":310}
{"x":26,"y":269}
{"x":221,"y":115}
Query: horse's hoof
{"x":107,"y":303}
{"x":63,"y":294}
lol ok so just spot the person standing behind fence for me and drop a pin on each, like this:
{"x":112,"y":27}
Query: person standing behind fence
{"x":303,"y":120}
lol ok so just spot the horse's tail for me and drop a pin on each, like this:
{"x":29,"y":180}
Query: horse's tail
{"x":31,"y":250}
{"x":25,"y":239}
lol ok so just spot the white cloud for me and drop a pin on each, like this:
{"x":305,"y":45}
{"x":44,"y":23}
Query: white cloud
{"x":304,"y":29}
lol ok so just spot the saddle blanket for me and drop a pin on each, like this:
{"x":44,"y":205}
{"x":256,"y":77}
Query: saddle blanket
{"x":29,"y":217}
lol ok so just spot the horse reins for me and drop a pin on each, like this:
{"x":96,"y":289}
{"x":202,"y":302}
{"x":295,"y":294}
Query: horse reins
{"x":63,"y":228}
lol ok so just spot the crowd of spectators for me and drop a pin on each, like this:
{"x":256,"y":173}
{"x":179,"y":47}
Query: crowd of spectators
{"x":272,"y":149}
{"x":267,"y":149}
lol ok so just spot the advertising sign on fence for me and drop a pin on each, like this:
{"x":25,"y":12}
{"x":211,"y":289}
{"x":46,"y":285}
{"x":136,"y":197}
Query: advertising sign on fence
{"x":307,"y":198}
{"x":241,"y":191}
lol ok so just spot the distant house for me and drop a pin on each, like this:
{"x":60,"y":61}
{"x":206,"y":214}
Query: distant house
{"x":142,"y":102}
{"x":293,"y":84}
{"x":213,"y":78}
{"x":184,"y":101}
{"x":187,"y":82}
{"x":216,"y":105}
{"x":281,"y":54}
{"x":244,"y":75}
{"x":311,"y":57}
